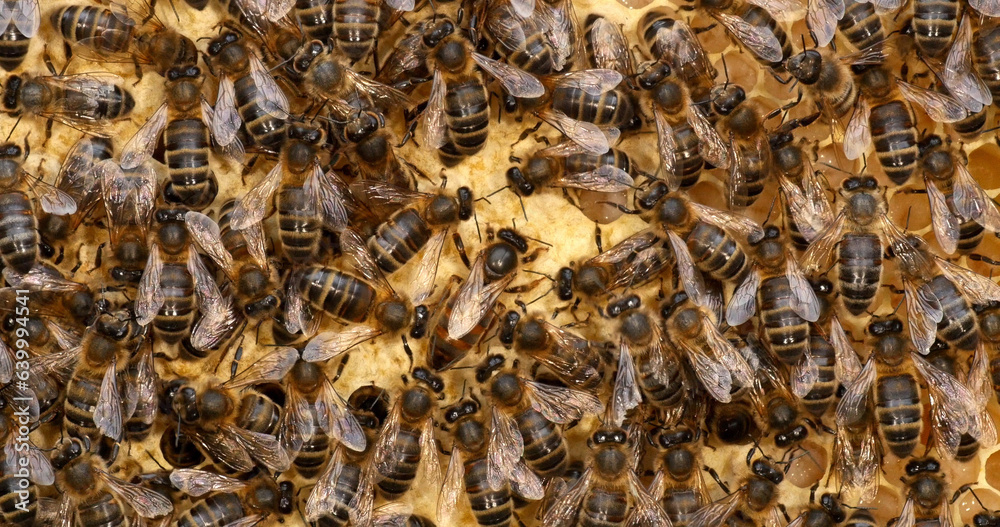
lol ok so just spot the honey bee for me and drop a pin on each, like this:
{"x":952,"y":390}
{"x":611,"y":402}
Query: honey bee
{"x":861,"y":25}
{"x":986,"y":55}
{"x":247,"y":95}
{"x":229,"y":499}
{"x":77,"y":178}
{"x":785,"y":298}
{"x":87,"y":102}
{"x":488,"y":476}
{"x":185,"y":120}
{"x":19,"y":21}
{"x":358,"y":23}
{"x":939,"y":296}
{"x":754,"y":503}
{"x":582,"y":104}
{"x":20,"y":461}
{"x":807,"y":209}
{"x":19,"y":230}
{"x":630,"y":263}
{"x":822,"y":19}
{"x":315,"y":17}
{"x":858,"y":232}
{"x":606,"y":46}
{"x":815,"y":382}
{"x":372,"y":154}
{"x":829,"y":80}
{"x":89,"y":496}
{"x":443,"y":351}
{"x":828,"y":512}
{"x":896,"y":396}
{"x":129,"y":198}
{"x":755,"y":27}
{"x":749,"y":160}
{"x":141,"y":379}
{"x":672,"y":42}
{"x":778,"y":410}
{"x":609,"y":492}
{"x":927,"y":498}
{"x":679,"y":485}
{"x":173,"y":286}
{"x":111,"y":33}
{"x":456,"y":119}
{"x":537,"y":37}
{"x":525,"y":420}
{"x":574,"y":360}
{"x":364,"y":300}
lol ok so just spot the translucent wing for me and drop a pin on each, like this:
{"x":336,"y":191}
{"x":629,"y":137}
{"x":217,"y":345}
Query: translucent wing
{"x":809,"y":207}
{"x":271,"y":97}
{"x":958,"y":76}
{"x":452,"y":488}
{"x":681,"y":48}
{"x":525,"y":483}
{"x":223,"y":448}
{"x":804,"y":375}
{"x":646,"y":510}
{"x":6,"y":363}
{"x":361,"y":258}
{"x":128,"y":199}
{"x":295,"y":426}
{"x":562,"y":405}
{"x":435,"y":124}
{"x":738,"y":224}
{"x":690,"y":276}
{"x":401,"y":5}
{"x":139,"y":148}
{"x":858,"y":134}
{"x":727,"y":355}
{"x":714,"y":376}
{"x":783,"y":10}
{"x":329,"y":190}
{"x":474,"y":299}
{"x":853,"y":405}
{"x":563,"y":512}
{"x":759,"y":40}
{"x":821,"y":249}
{"x":226,"y":120}
{"x":270,"y":368}
{"x":743,"y":305}
{"x":218,"y":316}
{"x":504,"y":450}
{"x":515,"y":81}
{"x":610,"y":48}
{"x":234,"y":148}
{"x":715,"y":514}
{"x":207,"y":235}
{"x":593,"y":82}
{"x":25,"y":17}
{"x":988,"y":8}
{"x":337,"y":420}
{"x":322,"y":499}
{"x":264,"y":448}
{"x":804,"y":301}
{"x":952,"y":406}
{"x":883,"y":7}
{"x":980,"y":289}
{"x":108,"y":412}
{"x":626,"y":394}
{"x":587,"y":135}
{"x":250,"y":209}
{"x":197,"y":483}
{"x":822,"y":17}
{"x":606,"y":178}
{"x":150,"y":295}
{"x":39,"y":468}
{"x":940,"y":107}
{"x":430,"y":462}
{"x":710,"y":144}
{"x":846,"y":366}
{"x":427,"y":269}
{"x":907,"y":516}
{"x":145,"y":502}
{"x":330,"y":344}
{"x":666,"y":147}
{"x":924,"y":312}
{"x":946,"y":225}
{"x":972,"y":202}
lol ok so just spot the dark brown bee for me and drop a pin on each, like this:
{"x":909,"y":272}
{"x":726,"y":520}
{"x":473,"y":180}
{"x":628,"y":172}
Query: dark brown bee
{"x":229,"y":499}
{"x":679,"y":484}
{"x":630,"y":263}
{"x":574,"y":360}
{"x":248,"y":95}
{"x":605,"y":45}
{"x":861,"y":518}
{"x":178,"y":449}
{"x":927,"y":499}
{"x":829,"y":80}
{"x":777,"y":408}
{"x":315,"y":17}
{"x":357,"y":24}
{"x":567,"y":165}
{"x":825,"y":514}
{"x":804,"y":191}
{"x":749,"y":160}
{"x":78,"y":179}
{"x":934,"y":25}
{"x":754,"y":503}
{"x":21,"y":25}
{"x":861,"y":25}
{"x":370,"y":147}
{"x":754,"y":27}
{"x":945,"y":379}
{"x":986,"y":55}
{"x":882,"y":116}
{"x":87,"y":101}
{"x":541,"y":40}
{"x":672,"y":42}
{"x":609,"y":492}
{"x":129,"y":199}
{"x":91,"y":497}
{"x":443,"y":350}
{"x":818,"y":391}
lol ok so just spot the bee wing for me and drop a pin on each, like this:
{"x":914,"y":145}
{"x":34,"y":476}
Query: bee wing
{"x":799,"y":521}
{"x":223,"y":448}
{"x":952,"y":405}
{"x":254,"y":236}
{"x":295,"y":425}
{"x":666,"y":147}
{"x":434,"y":118}
{"x":264,"y":448}
{"x":247,"y":521}
{"x":979,"y":384}
{"x":958,"y":76}
{"x":858,"y":134}
{"x":587,"y":135}
{"x":972,"y":202}
{"x":401,"y":5}
{"x":716,"y":513}
{"x":561,"y":405}
{"x":525,"y":483}
{"x":217,"y":314}
{"x":820,"y":249}
{"x":786,"y":10}
{"x":727,"y":355}
{"x":515,"y":81}
{"x":139,"y":148}
{"x":743,"y":305}
{"x":143,"y":388}
{"x":384,"y":455}
{"x":234,"y":149}
{"x":6,"y":364}
{"x":24,"y":15}
{"x":271,"y":97}
{"x":226,"y":120}
{"x":427,"y":269}
{"x":946,"y":225}
{"x":822,"y":17}
{"x":592,"y":82}
{"x":680,"y":47}
{"x":474,"y":299}
{"x":710,"y":144}
{"x":883,"y":7}
{"x":907,"y":516}
{"x":690,"y":276}
{"x":566,"y":363}
{"x":924,"y":312}
{"x":565,"y":511}
{"x":606,"y":178}
{"x":853,"y":404}
{"x":988,"y":8}
{"x":330,"y":344}
{"x":858,"y":466}
{"x":39,"y":467}
{"x":108,"y":411}
{"x":278,"y":9}
{"x":809,"y":207}
{"x":323,"y":499}
{"x":329,"y":191}
{"x":610,"y":49}
{"x":452,"y":488}
{"x":380,"y":94}
{"x":940,"y":107}
{"x":146,"y":502}
{"x":270,"y":368}
{"x":804,"y":375}
{"x":361,"y":259}
{"x":625,"y":395}
{"x":646,"y":510}
{"x":150,"y":297}
{"x":736,"y":223}
{"x":759,"y":40}
{"x":504,"y":450}
{"x":804,"y":304}
{"x":846,"y":364}
{"x":205,"y":232}
{"x":714,"y":376}
{"x":430,"y":462}
{"x":336,"y":419}
{"x":127,"y":200}
{"x":250,"y":209}
{"x":626,"y":248}
{"x":980,"y":289}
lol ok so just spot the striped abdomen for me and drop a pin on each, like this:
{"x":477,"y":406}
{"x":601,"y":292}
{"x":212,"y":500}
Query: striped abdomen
{"x":603,"y":507}
{"x":759,"y":17}
{"x":860,"y":270}
{"x":109,"y":103}
{"x":258,"y":413}
{"x":545,"y":450}
{"x":895,"y":140}
{"x":186,"y":153}
{"x":344,"y":490}
{"x":99,"y":28}
{"x":356,"y":26}
{"x":300,"y":227}
{"x":839,"y":91}
{"x":339,"y":294}
{"x":316,"y":18}
{"x":687,"y":156}
{"x":443,"y":351}
{"x":467,"y":112}
{"x":315,"y":452}
{"x":681,"y":504}
{"x":82,"y":392}
{"x":405,"y":460}
{"x":986,"y":56}
{"x":585,"y":162}
{"x":819,"y":399}
{"x":785,"y":332}
{"x":861,"y":25}
{"x":174,"y":321}
{"x":216,"y":510}
{"x":266,"y":129}
{"x":492,"y":508}
{"x":755,"y":165}
{"x":716,"y":253}
{"x":898,"y":410}
{"x":101,"y":510}
{"x":10,"y":512}
{"x":13,"y":48}
{"x":934,"y":25}
{"x":661,"y":382}
{"x":611,"y":108}
{"x":970,"y":126}
{"x":399,"y":239}
{"x":958,"y":326}
{"x":18,"y":231}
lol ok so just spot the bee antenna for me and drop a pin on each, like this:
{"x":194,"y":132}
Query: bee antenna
{"x":725,"y":69}
{"x":18,"y":121}
{"x":770,"y":210}
{"x":897,"y":307}
{"x":151,"y":456}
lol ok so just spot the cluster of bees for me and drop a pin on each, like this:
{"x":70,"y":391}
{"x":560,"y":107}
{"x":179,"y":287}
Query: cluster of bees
{"x":175,"y":351}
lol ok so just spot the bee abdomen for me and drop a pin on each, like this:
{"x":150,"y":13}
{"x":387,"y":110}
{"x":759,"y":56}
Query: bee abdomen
{"x":316,"y":18}
{"x":259,"y":414}
{"x":355,"y":26}
{"x":968,"y":446}
{"x":759,"y":17}
{"x":717,"y":253}
{"x":13,"y":48}
{"x":897,"y":405}
{"x":662,"y":387}
{"x":612,"y":108}
{"x":10,"y":511}
{"x":176,"y":317}
{"x":986,"y":56}
{"x":958,"y":326}
{"x":404,"y":461}
{"x":861,"y":25}
{"x":100,"y":28}
{"x":818,"y":400}
{"x":971,"y":125}
{"x":218,"y":509}
{"x":266,"y":129}
{"x":492,"y":508}
{"x":755,"y":167}
{"x":681,"y":504}
{"x":399,"y":239}
{"x":860,"y":270}
{"x":187,"y":151}
{"x":18,"y":231}
{"x":102,"y":510}
{"x":688,"y":155}
{"x":603,"y":508}
{"x":468,"y":114}
{"x":895,"y":140}
{"x":79,"y":405}
{"x":934,"y":25}
{"x":314,"y":453}
{"x":544,"y":446}
{"x":338,"y":294}
{"x":299,"y":224}
{"x":786,"y":332}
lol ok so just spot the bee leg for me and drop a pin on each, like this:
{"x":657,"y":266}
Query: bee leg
{"x":409,"y":352}
{"x":597,"y":238}
{"x":460,"y":245}
{"x":97,"y":258}
{"x":715,"y":475}
{"x":343,"y":363}
{"x":781,"y":507}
